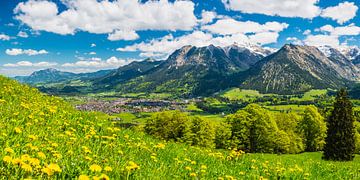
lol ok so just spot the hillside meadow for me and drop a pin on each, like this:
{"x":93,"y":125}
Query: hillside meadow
{"x":43,"y":137}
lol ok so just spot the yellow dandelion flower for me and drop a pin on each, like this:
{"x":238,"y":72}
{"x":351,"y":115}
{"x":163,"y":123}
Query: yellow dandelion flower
{"x":203,"y":167}
{"x":229,"y":177}
{"x":17,"y":130}
{"x":16,"y":161}
{"x":26,"y":167}
{"x":188,"y":168}
{"x":104,"y":177}
{"x":47,"y":171}
{"x":160,"y":146}
{"x":32,"y":137}
{"x":108,"y":168}
{"x":132,"y":166}
{"x":88,"y":158}
{"x":7,"y":159}
{"x":84,"y":177}
{"x":41,"y":155}
{"x":54,"y":167}
{"x":9,"y":150}
{"x":192,"y":174}
{"x":95,"y":168}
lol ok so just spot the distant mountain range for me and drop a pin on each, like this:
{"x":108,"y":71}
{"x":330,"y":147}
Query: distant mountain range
{"x":55,"y":76}
{"x":200,"y":71}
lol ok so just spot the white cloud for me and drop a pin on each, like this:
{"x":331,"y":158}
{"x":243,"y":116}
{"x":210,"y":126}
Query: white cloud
{"x":342,"y":13}
{"x":307,"y":32}
{"x":30,"y":64}
{"x":295,"y":40}
{"x":331,"y":36}
{"x":320,"y":40}
{"x":92,"y":53}
{"x":207,"y":17}
{"x":4,"y":37}
{"x":29,"y":52}
{"x":231,"y":26}
{"x":164,"y":46}
{"x":123,"y":35}
{"x":93,"y":45}
{"x":105,"y":17}
{"x":97,"y":63}
{"x":23,"y":34}
{"x":285,"y":8}
{"x":349,"y":30}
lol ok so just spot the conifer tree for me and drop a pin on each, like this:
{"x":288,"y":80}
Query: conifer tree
{"x":340,"y":140}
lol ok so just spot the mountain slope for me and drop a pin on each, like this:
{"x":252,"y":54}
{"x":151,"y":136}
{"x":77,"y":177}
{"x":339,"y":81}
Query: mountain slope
{"x":54,"y":76}
{"x":295,"y":69}
{"x":124,"y":73}
{"x":193,"y":71}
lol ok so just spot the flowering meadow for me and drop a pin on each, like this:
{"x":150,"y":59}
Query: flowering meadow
{"x":43,"y":137}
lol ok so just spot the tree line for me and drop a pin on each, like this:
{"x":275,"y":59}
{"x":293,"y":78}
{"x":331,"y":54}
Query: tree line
{"x":257,"y":130}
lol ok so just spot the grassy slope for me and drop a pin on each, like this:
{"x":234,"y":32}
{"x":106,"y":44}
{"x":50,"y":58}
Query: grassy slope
{"x":31,"y":123}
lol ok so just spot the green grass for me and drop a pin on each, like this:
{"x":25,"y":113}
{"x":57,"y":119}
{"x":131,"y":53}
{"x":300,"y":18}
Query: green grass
{"x":296,"y":108}
{"x":243,"y":94}
{"x":43,"y":137}
{"x":311,"y":95}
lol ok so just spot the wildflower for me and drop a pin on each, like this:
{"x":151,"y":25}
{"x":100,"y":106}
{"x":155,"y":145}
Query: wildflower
{"x":34,"y":161}
{"x":16,"y":161}
{"x":160,"y":146}
{"x":306,"y":174}
{"x":9,"y":150}
{"x":7,"y":159}
{"x":17,"y":130}
{"x":26,"y":167}
{"x":88,"y":158}
{"x":203,"y":167}
{"x":32,"y":137}
{"x":132,"y":166}
{"x":41,"y":155}
{"x":95,"y":168}
{"x":229,"y":177}
{"x":188,"y":168}
{"x":108,"y":169}
{"x":54,"y":167}
{"x":84,"y":177}
{"x":104,"y":177}
{"x":47,"y":171}
{"x":25,"y":157}
{"x":192,"y":174}
{"x":242,"y":173}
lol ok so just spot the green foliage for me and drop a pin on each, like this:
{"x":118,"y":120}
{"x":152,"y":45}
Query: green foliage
{"x":178,"y":126}
{"x":168,"y":125}
{"x":202,"y":133}
{"x":313,"y":129}
{"x":340,"y":140}
{"x":253,"y":129}
{"x":223,"y":135}
{"x":288,"y":122}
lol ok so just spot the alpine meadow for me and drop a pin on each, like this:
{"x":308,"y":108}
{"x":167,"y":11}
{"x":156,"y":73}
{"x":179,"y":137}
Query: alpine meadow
{"x":179,"y":89}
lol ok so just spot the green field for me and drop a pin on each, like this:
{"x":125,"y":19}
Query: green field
{"x":243,"y":94}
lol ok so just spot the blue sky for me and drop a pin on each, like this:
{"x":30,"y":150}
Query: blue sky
{"x":89,"y":35}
